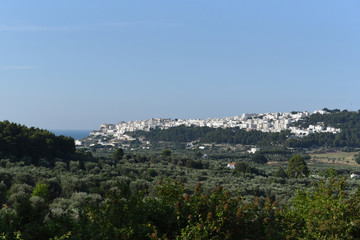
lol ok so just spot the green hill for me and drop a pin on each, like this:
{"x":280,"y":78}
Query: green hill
{"x":33,"y":144}
{"x":348,"y":122}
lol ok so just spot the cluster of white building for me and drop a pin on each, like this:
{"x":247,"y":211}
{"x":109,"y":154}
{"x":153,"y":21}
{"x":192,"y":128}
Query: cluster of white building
{"x":265,"y":122}
{"x":313,"y":129}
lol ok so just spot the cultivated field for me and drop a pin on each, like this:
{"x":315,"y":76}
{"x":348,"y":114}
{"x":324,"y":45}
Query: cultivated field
{"x":336,"y":158}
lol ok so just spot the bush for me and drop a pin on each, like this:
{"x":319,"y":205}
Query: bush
{"x":357,"y":158}
{"x":325,"y":212}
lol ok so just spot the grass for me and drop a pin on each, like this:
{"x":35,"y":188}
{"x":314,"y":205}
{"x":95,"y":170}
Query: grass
{"x":334,"y":158}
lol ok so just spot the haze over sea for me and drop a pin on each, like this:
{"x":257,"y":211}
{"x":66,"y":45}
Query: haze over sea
{"x":76,"y":134}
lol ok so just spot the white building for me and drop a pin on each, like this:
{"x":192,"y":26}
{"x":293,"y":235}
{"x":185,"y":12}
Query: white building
{"x":231,"y":165}
{"x":253,"y":150}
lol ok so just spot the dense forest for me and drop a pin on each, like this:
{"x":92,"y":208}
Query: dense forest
{"x":213,"y":135}
{"x":349,"y":122}
{"x":52,"y":191}
{"x":33,"y":145}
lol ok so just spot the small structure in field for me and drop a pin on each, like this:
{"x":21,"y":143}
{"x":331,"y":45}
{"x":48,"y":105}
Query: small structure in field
{"x":231,"y":165}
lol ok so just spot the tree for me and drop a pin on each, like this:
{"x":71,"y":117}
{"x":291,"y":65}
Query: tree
{"x":357,"y":158}
{"x":259,"y":158}
{"x":241,"y":167}
{"x":326,"y":211}
{"x":280,"y":173}
{"x":297,"y":167}
{"x":198,"y":154}
{"x":118,"y":154}
{"x":166,"y":153}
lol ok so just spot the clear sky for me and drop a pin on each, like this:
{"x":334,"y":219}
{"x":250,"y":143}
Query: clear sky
{"x":76,"y":64}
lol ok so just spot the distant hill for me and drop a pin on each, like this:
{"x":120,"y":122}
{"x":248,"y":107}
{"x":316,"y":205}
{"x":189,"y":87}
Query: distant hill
{"x":347,"y":121}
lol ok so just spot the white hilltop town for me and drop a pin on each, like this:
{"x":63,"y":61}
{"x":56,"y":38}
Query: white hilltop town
{"x":111,"y":134}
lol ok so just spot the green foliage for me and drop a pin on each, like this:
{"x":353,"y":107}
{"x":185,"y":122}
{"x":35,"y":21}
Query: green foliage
{"x":175,"y":214}
{"x":17,"y":236}
{"x":348,"y":122}
{"x":324,"y":212}
{"x":118,"y":154}
{"x":41,"y":190}
{"x":166,"y":153}
{"x":65,"y":236}
{"x":297,"y":167}
{"x":152,"y":172}
{"x":30,"y":216}
{"x":241,"y":167}
{"x":259,"y":158}
{"x":175,"y":134}
{"x":280,"y":173}
{"x":198,"y":155}
{"x":357,"y":158}
{"x":33,"y":143}
{"x":214,"y":135}
{"x":194,"y":164}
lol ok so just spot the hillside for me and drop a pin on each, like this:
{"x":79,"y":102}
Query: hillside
{"x":325,"y":128}
{"x":348,"y":122}
{"x":33,"y":145}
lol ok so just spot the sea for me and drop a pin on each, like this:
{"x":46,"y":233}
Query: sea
{"x":76,"y":134}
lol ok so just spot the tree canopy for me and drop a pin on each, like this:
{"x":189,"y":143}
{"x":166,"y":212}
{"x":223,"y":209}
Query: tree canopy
{"x":166,"y":153}
{"x":33,"y":143}
{"x":258,"y":157}
{"x":297,"y":167}
{"x":118,"y":154}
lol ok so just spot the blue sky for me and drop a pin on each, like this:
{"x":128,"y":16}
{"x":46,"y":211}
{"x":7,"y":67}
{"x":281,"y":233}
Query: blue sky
{"x":76,"y":64}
